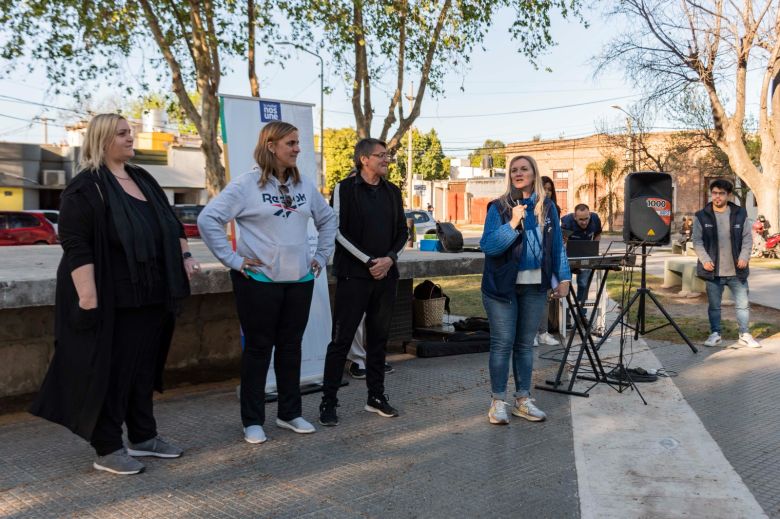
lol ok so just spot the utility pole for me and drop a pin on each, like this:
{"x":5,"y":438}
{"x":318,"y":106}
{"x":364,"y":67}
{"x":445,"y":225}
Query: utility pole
{"x":45,"y":122}
{"x":409,"y":186}
{"x":631,"y":142}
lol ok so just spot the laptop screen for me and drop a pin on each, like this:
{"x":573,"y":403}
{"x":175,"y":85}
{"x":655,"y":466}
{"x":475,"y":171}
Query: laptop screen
{"x":582,"y":248}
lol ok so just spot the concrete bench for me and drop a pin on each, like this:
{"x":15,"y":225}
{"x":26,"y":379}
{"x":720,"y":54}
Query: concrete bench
{"x":682,"y":272}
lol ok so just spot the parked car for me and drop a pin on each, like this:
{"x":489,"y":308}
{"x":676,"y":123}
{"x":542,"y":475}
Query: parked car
{"x":50,"y":214}
{"x":188,"y":216}
{"x":423,"y":223}
{"x":26,"y":228}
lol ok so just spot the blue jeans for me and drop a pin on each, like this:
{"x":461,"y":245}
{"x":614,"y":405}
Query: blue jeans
{"x":583,"y":277}
{"x":741,"y":303}
{"x":513,"y":327}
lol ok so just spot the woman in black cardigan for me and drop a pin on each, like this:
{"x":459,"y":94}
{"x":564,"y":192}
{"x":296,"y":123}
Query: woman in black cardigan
{"x":125,"y":266}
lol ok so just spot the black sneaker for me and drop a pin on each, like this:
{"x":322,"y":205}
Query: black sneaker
{"x":328,"y":416}
{"x":388,"y":368}
{"x":356,"y":371}
{"x":381,"y":406}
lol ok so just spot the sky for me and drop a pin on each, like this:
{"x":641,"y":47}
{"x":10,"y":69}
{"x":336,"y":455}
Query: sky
{"x":503,"y":96}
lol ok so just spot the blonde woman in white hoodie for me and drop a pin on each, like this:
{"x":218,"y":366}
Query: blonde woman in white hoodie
{"x":273,"y":270}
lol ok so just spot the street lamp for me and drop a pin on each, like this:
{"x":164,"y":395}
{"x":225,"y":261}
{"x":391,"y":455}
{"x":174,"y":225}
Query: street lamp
{"x":629,"y":117}
{"x":322,"y":101}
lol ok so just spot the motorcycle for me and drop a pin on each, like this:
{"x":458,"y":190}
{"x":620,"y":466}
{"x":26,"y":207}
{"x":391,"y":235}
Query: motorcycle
{"x":768,"y":247}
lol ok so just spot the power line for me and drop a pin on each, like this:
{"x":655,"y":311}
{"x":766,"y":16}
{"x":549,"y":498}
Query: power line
{"x":44,"y":105}
{"x":516,"y":112}
{"x":30,"y":121}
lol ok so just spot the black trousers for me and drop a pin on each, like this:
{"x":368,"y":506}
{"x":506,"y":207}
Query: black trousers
{"x":131,"y":381}
{"x":354,"y":297}
{"x":273,"y":318}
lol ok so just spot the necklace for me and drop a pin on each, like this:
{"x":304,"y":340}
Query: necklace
{"x":122,"y":178}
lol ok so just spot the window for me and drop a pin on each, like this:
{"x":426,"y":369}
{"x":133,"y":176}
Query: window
{"x":22,"y":221}
{"x":419,"y":216}
{"x":560,"y":173}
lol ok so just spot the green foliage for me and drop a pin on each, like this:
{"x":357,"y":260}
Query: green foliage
{"x":489,"y":147}
{"x":427,"y":158}
{"x":369,"y":40}
{"x":169,"y":103}
{"x":339,"y":149}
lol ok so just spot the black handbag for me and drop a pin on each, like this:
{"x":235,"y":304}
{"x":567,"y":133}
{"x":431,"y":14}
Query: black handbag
{"x":450,"y":238}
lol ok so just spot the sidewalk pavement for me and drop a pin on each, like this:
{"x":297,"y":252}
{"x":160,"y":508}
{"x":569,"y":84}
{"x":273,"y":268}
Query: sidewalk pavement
{"x":707,"y":445}
{"x":763,"y":282}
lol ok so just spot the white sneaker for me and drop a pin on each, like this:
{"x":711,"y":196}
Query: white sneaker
{"x":536,"y":340}
{"x":497,"y":413}
{"x":747,"y":340}
{"x":298,"y":425}
{"x":547,"y":339}
{"x":713,"y":340}
{"x":254,"y":434}
{"x":525,"y":408}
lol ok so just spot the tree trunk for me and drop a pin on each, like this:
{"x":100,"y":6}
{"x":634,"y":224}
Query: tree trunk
{"x":767,"y":199}
{"x":254,"y":85}
{"x":209,"y":134}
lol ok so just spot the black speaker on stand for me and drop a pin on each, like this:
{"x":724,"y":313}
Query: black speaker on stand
{"x":647,"y":208}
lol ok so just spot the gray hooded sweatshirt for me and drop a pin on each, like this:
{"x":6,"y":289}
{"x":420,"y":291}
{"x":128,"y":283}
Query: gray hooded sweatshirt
{"x":267,"y":230}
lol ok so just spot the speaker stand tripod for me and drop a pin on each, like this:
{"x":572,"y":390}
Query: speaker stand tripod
{"x":639,"y":295}
{"x":622,"y":376}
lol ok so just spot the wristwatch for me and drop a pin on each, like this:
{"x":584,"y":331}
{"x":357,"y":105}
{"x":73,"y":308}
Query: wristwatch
{"x":186,"y":255}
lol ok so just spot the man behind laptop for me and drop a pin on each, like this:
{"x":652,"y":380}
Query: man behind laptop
{"x":372,"y":232}
{"x":722,"y":241}
{"x":582,"y":225}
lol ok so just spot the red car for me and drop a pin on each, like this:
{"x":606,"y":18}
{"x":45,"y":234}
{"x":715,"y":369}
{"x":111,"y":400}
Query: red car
{"x":188,"y":216}
{"x":26,"y":228}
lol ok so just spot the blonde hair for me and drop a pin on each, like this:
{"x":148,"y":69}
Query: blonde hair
{"x":273,"y":132}
{"x":538,"y":187}
{"x":101,"y":131}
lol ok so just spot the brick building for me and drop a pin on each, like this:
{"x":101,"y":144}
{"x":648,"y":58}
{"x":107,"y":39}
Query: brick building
{"x":566,"y":162}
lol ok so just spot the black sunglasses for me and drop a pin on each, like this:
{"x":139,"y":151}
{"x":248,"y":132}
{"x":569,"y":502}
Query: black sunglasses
{"x":287,"y":200}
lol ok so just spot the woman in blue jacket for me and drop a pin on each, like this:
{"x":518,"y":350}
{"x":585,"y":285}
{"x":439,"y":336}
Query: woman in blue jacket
{"x":524,"y":257}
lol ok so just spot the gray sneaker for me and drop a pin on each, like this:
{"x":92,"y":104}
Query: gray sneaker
{"x":155,"y":447}
{"x":497,"y":413}
{"x":525,"y":408}
{"x":118,"y":462}
{"x":713,"y":340}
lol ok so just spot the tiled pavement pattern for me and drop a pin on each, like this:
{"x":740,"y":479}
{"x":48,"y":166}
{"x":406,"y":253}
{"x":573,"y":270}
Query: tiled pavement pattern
{"x":736,"y":394}
{"x":441,"y":458}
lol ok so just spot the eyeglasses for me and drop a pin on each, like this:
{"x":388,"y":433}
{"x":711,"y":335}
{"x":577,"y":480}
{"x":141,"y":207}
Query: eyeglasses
{"x":287,"y":200}
{"x":383,"y":156}
{"x":719,"y":193}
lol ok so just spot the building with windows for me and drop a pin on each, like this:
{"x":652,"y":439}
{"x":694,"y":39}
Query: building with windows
{"x":33,"y":176}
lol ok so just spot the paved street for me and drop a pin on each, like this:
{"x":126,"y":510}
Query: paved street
{"x":707,"y":445}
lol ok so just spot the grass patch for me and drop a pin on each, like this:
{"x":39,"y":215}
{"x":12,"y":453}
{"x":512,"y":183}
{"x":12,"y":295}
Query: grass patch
{"x":696,"y":327}
{"x":465,"y":295}
{"x":767,"y":263}
{"x":466,"y":299}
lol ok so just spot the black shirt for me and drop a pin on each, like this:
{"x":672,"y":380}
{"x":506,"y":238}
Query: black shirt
{"x":376,"y":206}
{"x":126,"y":296}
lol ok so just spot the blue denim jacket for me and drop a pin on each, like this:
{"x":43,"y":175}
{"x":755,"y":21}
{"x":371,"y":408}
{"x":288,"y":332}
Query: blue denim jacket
{"x":503,"y":248}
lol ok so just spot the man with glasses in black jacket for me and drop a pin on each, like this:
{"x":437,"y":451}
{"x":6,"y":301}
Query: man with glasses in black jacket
{"x":372,"y":233}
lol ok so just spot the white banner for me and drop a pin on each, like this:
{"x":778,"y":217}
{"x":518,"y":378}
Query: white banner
{"x":242,"y":120}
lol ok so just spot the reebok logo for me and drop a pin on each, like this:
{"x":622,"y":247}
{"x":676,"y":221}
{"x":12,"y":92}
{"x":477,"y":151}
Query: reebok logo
{"x":298,"y":200}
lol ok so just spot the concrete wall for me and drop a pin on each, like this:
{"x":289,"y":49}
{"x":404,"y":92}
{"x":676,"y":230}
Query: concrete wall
{"x":206,"y":342}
